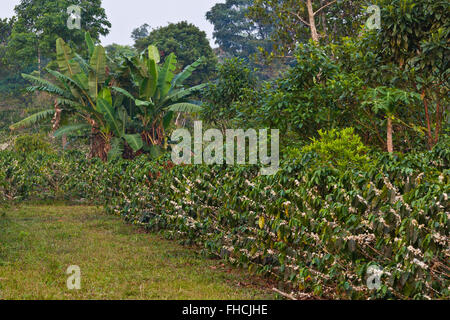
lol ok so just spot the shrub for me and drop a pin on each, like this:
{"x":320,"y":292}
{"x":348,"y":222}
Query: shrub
{"x":341,"y":149}
{"x":31,"y":142}
{"x":234,"y":77}
{"x":314,"y":229}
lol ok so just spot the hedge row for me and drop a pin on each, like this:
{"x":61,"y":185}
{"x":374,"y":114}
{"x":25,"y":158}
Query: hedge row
{"x":317,"y":231}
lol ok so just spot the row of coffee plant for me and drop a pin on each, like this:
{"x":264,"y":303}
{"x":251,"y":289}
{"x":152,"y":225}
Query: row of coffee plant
{"x":318,"y":230}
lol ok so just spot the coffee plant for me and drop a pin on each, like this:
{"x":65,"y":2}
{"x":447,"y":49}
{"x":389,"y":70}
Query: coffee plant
{"x":316,"y":229}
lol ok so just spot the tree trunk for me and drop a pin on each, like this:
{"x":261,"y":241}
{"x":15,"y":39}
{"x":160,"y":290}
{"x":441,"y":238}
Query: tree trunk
{"x":64,"y":141}
{"x":438,"y":122}
{"x":427,"y":116}
{"x":312,"y":22}
{"x":99,"y":147}
{"x":390,"y":146}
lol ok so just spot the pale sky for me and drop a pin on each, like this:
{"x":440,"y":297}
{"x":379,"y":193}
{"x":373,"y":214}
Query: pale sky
{"x":125,"y":15}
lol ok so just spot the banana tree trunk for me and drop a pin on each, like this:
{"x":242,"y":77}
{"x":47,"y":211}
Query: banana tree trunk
{"x":390,"y":146}
{"x":155,"y":136}
{"x":64,"y":141}
{"x":99,"y":147}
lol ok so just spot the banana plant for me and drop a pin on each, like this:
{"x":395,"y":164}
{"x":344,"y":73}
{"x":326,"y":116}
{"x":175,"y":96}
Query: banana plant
{"x":160,"y":93}
{"x":82,"y":91}
{"x":116,"y":119}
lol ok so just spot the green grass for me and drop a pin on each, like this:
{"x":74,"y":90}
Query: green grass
{"x":117,"y":261}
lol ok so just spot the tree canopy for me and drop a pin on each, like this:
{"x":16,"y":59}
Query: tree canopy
{"x":235,"y":33}
{"x":39,"y":23}
{"x":296,"y":21}
{"x":141,"y":32}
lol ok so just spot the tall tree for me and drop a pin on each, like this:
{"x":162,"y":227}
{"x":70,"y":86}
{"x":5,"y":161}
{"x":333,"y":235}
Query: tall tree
{"x":141,"y":32}
{"x":414,"y":44}
{"x":6,"y":26}
{"x":40,"y":23}
{"x":234,"y":77}
{"x":296,"y":21}
{"x":188,"y":43}
{"x":235,"y":33}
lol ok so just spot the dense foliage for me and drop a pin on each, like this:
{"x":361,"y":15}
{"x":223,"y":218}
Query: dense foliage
{"x":29,"y":143}
{"x":350,"y":85}
{"x":296,"y":21}
{"x":315,"y":229}
{"x":338,"y":149}
{"x":235,"y":33}
{"x":340,"y":93}
{"x":39,"y":23}
{"x":87,"y":98}
{"x":234,"y":78}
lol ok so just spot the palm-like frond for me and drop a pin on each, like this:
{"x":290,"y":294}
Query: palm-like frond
{"x":67,"y":102}
{"x":46,"y":86}
{"x":67,"y":80}
{"x":33,"y":119}
{"x":84,"y":65}
{"x":123,"y":92}
{"x":109,"y":114}
{"x":185,"y":107}
{"x":186,"y":73}
{"x":182,"y":93}
{"x":70,"y":128}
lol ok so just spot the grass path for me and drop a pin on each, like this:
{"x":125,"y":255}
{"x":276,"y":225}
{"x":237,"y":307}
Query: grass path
{"x":117,"y":261}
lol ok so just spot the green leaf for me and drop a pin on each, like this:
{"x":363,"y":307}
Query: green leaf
{"x":167,"y":75}
{"x":182,"y":93}
{"x":46,"y":86}
{"x":140,"y":103}
{"x":108,"y":111}
{"x":138,"y":66}
{"x":84,"y":65}
{"x":105,"y":94}
{"x":89,"y":43}
{"x":64,"y":56}
{"x":98,"y":75}
{"x":82,"y":80}
{"x":155,"y":151}
{"x":167,"y":119}
{"x":123,"y":92}
{"x":33,"y":119}
{"x":147,"y":88}
{"x":116,"y":150}
{"x":187,"y":72}
{"x":77,"y":82}
{"x":134,"y":141}
{"x":67,"y":129}
{"x":185,"y":107}
{"x":153,"y":54}
{"x":67,"y":102}
{"x":149,"y":85}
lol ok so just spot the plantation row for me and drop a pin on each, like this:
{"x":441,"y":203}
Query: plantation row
{"x":316,"y":229}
